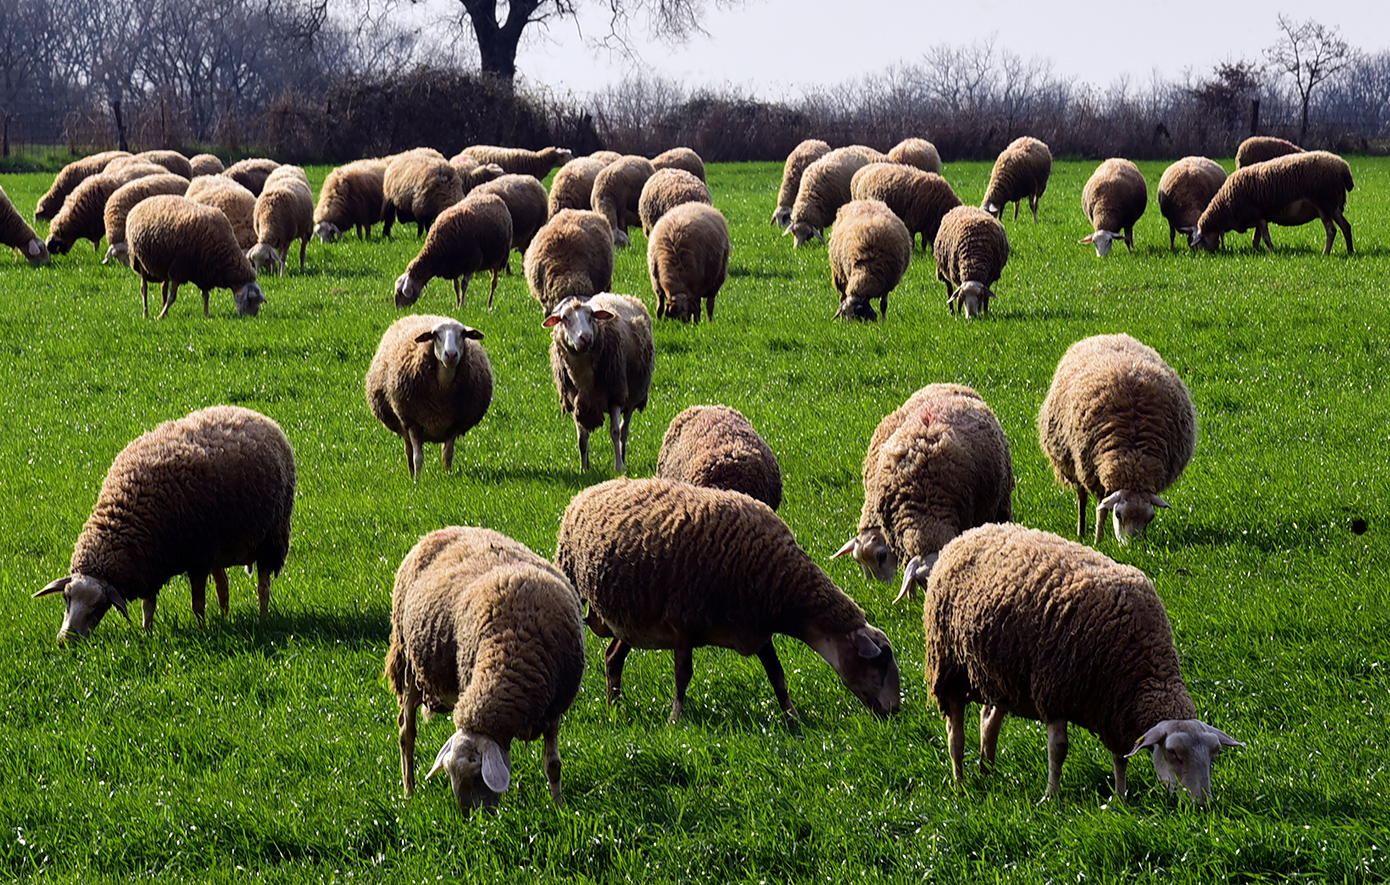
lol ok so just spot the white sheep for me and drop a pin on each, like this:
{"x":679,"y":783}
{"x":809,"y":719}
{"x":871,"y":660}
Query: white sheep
{"x":1290,"y":190}
{"x":174,"y":240}
{"x":571,"y":256}
{"x":665,"y":190}
{"x":351,"y":197}
{"x":617,"y":191}
{"x":803,"y":155}
{"x":870,"y":250}
{"x":124,"y":198}
{"x":1113,"y":199}
{"x":920,"y":199}
{"x":971,"y":250}
{"x":1184,"y":192}
{"x":284,"y":213}
{"x":688,"y":260}
{"x":468,"y":237}
{"x":1020,"y":172}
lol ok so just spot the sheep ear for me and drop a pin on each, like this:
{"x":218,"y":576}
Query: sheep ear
{"x":57,"y":586}
{"x":916,"y":571}
{"x":864,"y":644}
{"x":1159,"y":502}
{"x":114,"y":597}
{"x":820,"y":235}
{"x":848,"y":548}
{"x":1194,"y":236}
{"x":474,"y":334}
{"x":1110,"y":500}
{"x":424,"y":337}
{"x":497,"y":768}
{"x":1086,"y":239}
{"x":445,"y":752}
{"x":35,"y":247}
{"x":1225,"y":739}
{"x":1151,"y":738}
{"x":550,"y":321}
{"x":602,"y":314}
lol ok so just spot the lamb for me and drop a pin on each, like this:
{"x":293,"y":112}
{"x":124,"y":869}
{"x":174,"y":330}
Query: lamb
{"x":666,"y":189}
{"x":688,"y":260}
{"x":427,"y":383}
{"x":210,"y":490}
{"x":69,"y":178}
{"x":519,"y":161}
{"x":173,"y":161}
{"x":919,"y":198}
{"x":825,"y":187}
{"x":971,"y":250}
{"x":570,"y":257}
{"x":1028,"y":623}
{"x":351,"y":197}
{"x":573,"y":186}
{"x":233,"y":200}
{"x":870,"y":249}
{"x":937,"y":465}
{"x":1020,"y":172}
{"x":124,"y":199}
{"x":471,"y":173}
{"x":716,"y":447}
{"x":470,"y":236}
{"x":680,"y":158}
{"x":526,"y":201}
{"x":1289,"y":190}
{"x":1114,"y":198}
{"x":1259,"y":148}
{"x":174,"y":240}
{"x":1117,"y":422}
{"x":703,"y":567}
{"x":1184,"y":192}
{"x":83,"y":214}
{"x":16,"y":233}
{"x":418,"y":186}
{"x":251,"y":173}
{"x":601,"y":355}
{"x":206,"y":164}
{"x":284,"y":213}
{"x":617,"y":190}
{"x":483,"y":626}
{"x":916,"y":152}
{"x":803,"y":155}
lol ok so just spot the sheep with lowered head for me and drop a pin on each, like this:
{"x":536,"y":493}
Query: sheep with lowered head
{"x":174,"y":240}
{"x":284,"y":213}
{"x":573,"y":185}
{"x":124,"y":199}
{"x":173,"y":161}
{"x":1113,"y":199}
{"x":570,"y":257}
{"x":916,"y":152}
{"x":526,"y":201}
{"x":251,"y":173}
{"x":1184,"y":192}
{"x":1258,"y":148}
{"x":1020,"y":173}
{"x":803,"y":155}
{"x":520,"y":161}
{"x":971,"y":250}
{"x":471,"y":173}
{"x":665,"y":190}
{"x":470,"y":236}
{"x":83,"y":214}
{"x":206,"y":164}
{"x":482,"y":626}
{"x":1025,"y":622}
{"x":870,"y":249}
{"x":1290,"y":190}
{"x":69,"y":177}
{"x":716,"y":447}
{"x":825,"y":187}
{"x":617,"y":193}
{"x":680,"y":158}
{"x":16,"y":233}
{"x":688,"y":260}
{"x":233,"y":200}
{"x":418,"y":186}
{"x":351,"y":198}
{"x":920,"y":199}
{"x":211,"y":490}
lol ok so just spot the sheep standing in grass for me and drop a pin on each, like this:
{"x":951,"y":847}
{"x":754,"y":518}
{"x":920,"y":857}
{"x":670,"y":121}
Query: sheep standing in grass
{"x":418,"y":186}
{"x":124,"y":199}
{"x":194,"y":496}
{"x":825,"y":187}
{"x":1259,"y":148}
{"x":688,"y":260}
{"x":697,"y":566}
{"x":83,"y":214}
{"x":174,"y":240}
{"x":284,"y":213}
{"x":1117,"y":422}
{"x":1290,"y":190}
{"x":1031,"y":624}
{"x":570,"y":257}
{"x":483,"y":626}
{"x":617,"y":192}
{"x":519,"y":161}
{"x":803,"y":155}
{"x":716,"y":447}
{"x":601,"y":354}
{"x":916,"y":152}
{"x":1020,"y":173}
{"x":680,"y":158}
{"x":937,"y":465}
{"x":920,"y":199}
{"x":870,"y":249}
{"x":67,"y":180}
{"x":971,"y":250}
{"x":251,"y":173}
{"x":427,"y":383}
{"x":1114,"y":198}
{"x":526,"y":201}
{"x":16,"y":233}
{"x":1184,"y":192}
{"x":470,"y":236}
{"x":665,"y":190}
{"x":351,"y":198}
{"x":573,"y":187}
{"x":233,"y":200}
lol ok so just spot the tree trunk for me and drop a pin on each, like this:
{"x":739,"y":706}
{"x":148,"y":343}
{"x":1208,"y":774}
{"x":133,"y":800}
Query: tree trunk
{"x":1303,"y":129}
{"x":120,"y":126}
{"x":1254,"y":117}
{"x":497,"y":43}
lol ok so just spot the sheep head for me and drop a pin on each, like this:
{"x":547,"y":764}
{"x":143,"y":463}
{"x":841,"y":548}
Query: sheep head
{"x":971,"y":299}
{"x":575,"y":318}
{"x":249,"y":299}
{"x":1130,"y":511}
{"x":327,"y":232}
{"x":57,"y":246}
{"x":263,"y":255}
{"x":1183,"y":750}
{"x":408,"y":290}
{"x":1196,"y":239}
{"x":1102,"y":240}
{"x":870,"y":548}
{"x":447,"y":340}
{"x":782,"y":217}
{"x":802,"y":233}
{"x":36,"y":253}
{"x":864,"y":660}
{"x":86,"y":599}
{"x":480,"y":769}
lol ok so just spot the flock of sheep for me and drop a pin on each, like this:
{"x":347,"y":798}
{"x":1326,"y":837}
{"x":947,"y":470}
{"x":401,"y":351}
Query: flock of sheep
{"x":1018,"y":620}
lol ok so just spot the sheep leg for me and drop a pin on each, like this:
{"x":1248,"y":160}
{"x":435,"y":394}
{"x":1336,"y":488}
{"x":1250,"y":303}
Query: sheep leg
{"x":405,"y":721}
{"x":991,"y":718}
{"x":206,"y":293}
{"x":1121,"y":763}
{"x":1032,"y":204}
{"x":388,"y":218}
{"x":1056,"y":754}
{"x":1172,"y":236}
{"x":709,"y":310}
{"x":303,"y":245}
{"x":1346,"y":229}
{"x":493,"y":291}
{"x":552,"y":760}
{"x":1331,"y":234}
{"x":145,"y":295}
{"x":883,"y":305}
{"x":613,"y":660}
{"x":685,"y":668}
{"x":263,"y":588}
{"x":198,"y":583}
{"x":583,"y":448}
{"x":617,"y":431}
{"x":1081,"y":512}
{"x":1129,"y":237}
{"x":168,"y":292}
{"x":461,"y":288}
{"x":768,"y":655}
{"x":955,"y":736}
{"x":147,"y":613}
{"x":446,"y":453}
{"x":414,"y":452}
{"x":1100,"y":524}
{"x":1018,"y":203}
{"x":661,"y":304}
{"x":219,"y":580}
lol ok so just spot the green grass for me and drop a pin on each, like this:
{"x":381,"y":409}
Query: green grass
{"x":265,"y":750}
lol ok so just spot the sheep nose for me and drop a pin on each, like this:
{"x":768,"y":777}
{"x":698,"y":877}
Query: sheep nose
{"x":451,"y":357}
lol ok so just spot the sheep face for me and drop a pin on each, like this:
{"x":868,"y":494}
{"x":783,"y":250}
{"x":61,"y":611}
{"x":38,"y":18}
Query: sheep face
{"x":683,"y":306}
{"x":576,"y":320}
{"x":36,"y":253}
{"x":866,"y":666}
{"x":249,"y":299}
{"x":870,"y":548}
{"x":1102,"y":240}
{"x":993,"y":209}
{"x":327,"y":232}
{"x":802,"y":233}
{"x":448,"y":340}
{"x":1183,"y":750}
{"x":86,"y":600}
{"x":118,"y":251}
{"x":782,"y":217}
{"x":58,"y":247}
{"x":971,"y":299}
{"x":1130,"y":511}
{"x":852,"y":308}
{"x":407,"y":290}
{"x":479,"y":769}
{"x":263,"y":255}
{"x":1209,"y":242}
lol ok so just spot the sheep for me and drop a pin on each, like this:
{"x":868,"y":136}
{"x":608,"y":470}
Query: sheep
{"x":870,"y":249}
{"x":570,"y":257}
{"x":427,"y":383}
{"x":233,"y":200}
{"x":688,"y":260}
{"x":701,"y":566}
{"x":485,"y":627}
{"x":351,"y":197}
{"x":206,"y":164}
{"x":284,"y":213}
{"x":617,"y":190}
{"x":124,"y":199}
{"x":1184,"y":191}
{"x":1028,"y":623}
{"x":1289,"y":190}
{"x":418,"y":186}
{"x":471,"y":173}
{"x":919,"y":198}
{"x":196,"y":495}
{"x":680,"y":158}
{"x":1117,"y":422}
{"x":1259,"y":148}
{"x":173,"y":161}
{"x":916,"y":152}
{"x":573,"y":185}
{"x":526,"y":201}
{"x":971,"y":250}
{"x":67,"y":180}
{"x":716,"y":447}
{"x":83,"y":214}
{"x":803,"y":155}
{"x":1020,"y":172}
{"x":472,"y":235}
{"x":251,"y":173}
{"x":824,"y":189}
{"x":937,"y":465}
{"x":1113,"y":199}
{"x":604,"y":157}
{"x":520,"y":161}
{"x":601,"y":356}
{"x":174,"y":240}
{"x":16,"y":233}
{"x":666,"y":189}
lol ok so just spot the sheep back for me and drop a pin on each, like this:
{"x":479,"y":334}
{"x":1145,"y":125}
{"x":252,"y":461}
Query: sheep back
{"x":570,"y":256}
{"x":1184,"y":191}
{"x":971,"y":247}
{"x":717,"y":447}
{"x":16,"y":233}
{"x":618,"y":191}
{"x":803,"y":155}
{"x":125,"y":197}
{"x":1259,"y":148}
{"x":1115,"y":195}
{"x":1020,"y":172}
{"x":573,"y":186}
{"x":680,"y":158}
{"x":520,"y":161}
{"x":173,"y":161}
{"x":916,"y":152}
{"x":236,"y":203}
{"x":418,"y":186}
{"x":920,"y":199}
{"x":825,"y":187}
{"x":206,"y":164}
{"x":688,"y":260}
{"x":251,"y":173}
{"x":870,"y":249}
{"x":68,"y":178}
{"x":526,"y":201}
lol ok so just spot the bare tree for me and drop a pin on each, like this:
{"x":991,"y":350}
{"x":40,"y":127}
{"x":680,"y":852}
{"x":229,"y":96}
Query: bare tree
{"x":1310,"y":52}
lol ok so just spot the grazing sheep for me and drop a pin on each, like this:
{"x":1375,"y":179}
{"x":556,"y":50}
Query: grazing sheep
{"x":971,"y":249}
{"x":351,"y":197}
{"x":83,"y":214}
{"x":601,"y":355}
{"x":1259,"y":148}
{"x":174,"y":240}
{"x":1290,"y":190}
{"x":700,"y":567}
{"x":251,"y":173}
{"x":570,"y":257}
{"x":519,"y":161}
{"x":16,"y":233}
{"x":173,"y":161}
{"x":825,"y":187}
{"x":916,"y":152}
{"x":688,"y":260}
{"x":680,"y":158}
{"x":666,"y":189}
{"x":284,"y":213}
{"x":803,"y":155}
{"x":920,"y":199}
{"x":870,"y":249}
{"x":1117,"y":422}
{"x":1114,"y":198}
{"x":124,"y":198}
{"x":468,"y":237}
{"x":937,"y":465}
{"x":716,"y":447}
{"x":233,"y":200}
{"x":427,"y":383}
{"x":604,"y":157}
{"x":483,"y":626}
{"x":617,"y":192}
{"x":471,"y":173}
{"x":1025,"y":622}
{"x":1020,"y":172}
{"x":67,"y":180}
{"x":418,"y":186}
{"x":211,"y":490}
{"x":1184,"y":192}
{"x":206,"y":164}
{"x":526,"y":201}
{"x":573,"y":186}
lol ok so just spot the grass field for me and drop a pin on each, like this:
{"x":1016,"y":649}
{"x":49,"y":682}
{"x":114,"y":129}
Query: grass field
{"x":256,"y":749}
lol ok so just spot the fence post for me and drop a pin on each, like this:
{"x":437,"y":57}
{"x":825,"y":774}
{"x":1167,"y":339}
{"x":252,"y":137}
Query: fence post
{"x":1254,"y":116}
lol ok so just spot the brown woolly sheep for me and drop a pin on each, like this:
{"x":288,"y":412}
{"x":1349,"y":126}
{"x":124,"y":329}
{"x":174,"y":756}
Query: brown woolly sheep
{"x":920,"y":199}
{"x":206,"y":164}
{"x":1184,"y":192}
{"x":666,"y":189}
{"x":472,"y":173}
{"x":173,"y":161}
{"x":1020,"y":172}
{"x":68,"y":178}
{"x":617,"y":192}
{"x":870,"y":250}
{"x":124,"y":198}
{"x":231,"y":199}
{"x":83,"y":214}
{"x":251,"y":173}
{"x":284,"y":213}
{"x":351,"y":197}
{"x":570,"y":257}
{"x":174,"y":240}
{"x":688,"y":260}
{"x":680,"y":158}
{"x":1259,"y":148}
{"x":573,"y":185}
{"x":803,"y":155}
{"x":519,"y":161}
{"x":16,"y":233}
{"x":971,"y":249}
{"x":470,"y":236}
{"x":916,"y":152}
{"x":716,"y":447}
{"x":418,"y":186}
{"x":526,"y":201}
{"x":1290,"y":190}
{"x":825,"y":187}
{"x":1114,"y":198}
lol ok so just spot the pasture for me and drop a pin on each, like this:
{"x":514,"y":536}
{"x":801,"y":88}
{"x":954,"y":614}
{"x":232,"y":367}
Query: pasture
{"x":265,"y":750}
